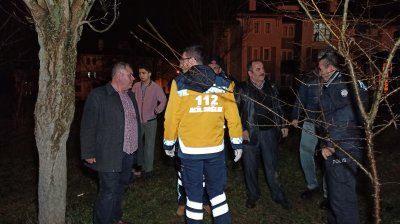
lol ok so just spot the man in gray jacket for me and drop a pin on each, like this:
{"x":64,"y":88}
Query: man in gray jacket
{"x":110,"y":128}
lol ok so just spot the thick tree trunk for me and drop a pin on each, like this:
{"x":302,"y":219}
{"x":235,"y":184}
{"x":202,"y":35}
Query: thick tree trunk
{"x":53,"y":116}
{"x":59,"y":27}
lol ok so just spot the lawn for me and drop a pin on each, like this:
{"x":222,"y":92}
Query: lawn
{"x":154,"y":200}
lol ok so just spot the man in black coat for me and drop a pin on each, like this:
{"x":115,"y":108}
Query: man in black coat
{"x":263,"y":126}
{"x":110,"y":131}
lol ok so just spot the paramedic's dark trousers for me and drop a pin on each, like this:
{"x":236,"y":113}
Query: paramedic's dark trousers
{"x":214,"y":171}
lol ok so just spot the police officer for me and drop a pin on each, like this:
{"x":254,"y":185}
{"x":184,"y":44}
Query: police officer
{"x":343,"y":127}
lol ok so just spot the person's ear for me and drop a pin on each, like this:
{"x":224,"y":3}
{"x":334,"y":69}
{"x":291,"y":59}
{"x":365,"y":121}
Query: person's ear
{"x":192,"y":61}
{"x":332,"y":68}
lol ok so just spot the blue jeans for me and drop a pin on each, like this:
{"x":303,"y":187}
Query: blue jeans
{"x":214,"y":171}
{"x":308,"y":143}
{"x":112,"y":185}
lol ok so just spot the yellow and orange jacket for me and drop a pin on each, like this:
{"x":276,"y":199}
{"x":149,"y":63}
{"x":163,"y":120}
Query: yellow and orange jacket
{"x":199,"y":103}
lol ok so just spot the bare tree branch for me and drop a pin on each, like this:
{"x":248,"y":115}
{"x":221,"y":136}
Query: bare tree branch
{"x":104,"y":18}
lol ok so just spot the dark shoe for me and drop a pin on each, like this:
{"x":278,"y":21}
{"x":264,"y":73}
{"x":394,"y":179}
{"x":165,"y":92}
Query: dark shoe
{"x":148,"y":174}
{"x":285,"y":204}
{"x":324,"y":204}
{"x":250,"y":203}
{"x":132,"y":178}
{"x":308,"y":193}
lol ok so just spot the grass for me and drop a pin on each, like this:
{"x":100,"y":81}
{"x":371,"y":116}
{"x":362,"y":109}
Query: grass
{"x":154,"y":200}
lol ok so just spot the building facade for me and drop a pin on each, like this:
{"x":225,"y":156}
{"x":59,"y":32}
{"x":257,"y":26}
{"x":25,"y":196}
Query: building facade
{"x":288,"y":42}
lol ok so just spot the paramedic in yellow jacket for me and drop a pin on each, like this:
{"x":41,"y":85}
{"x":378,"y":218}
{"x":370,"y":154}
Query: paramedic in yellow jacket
{"x":199,"y":103}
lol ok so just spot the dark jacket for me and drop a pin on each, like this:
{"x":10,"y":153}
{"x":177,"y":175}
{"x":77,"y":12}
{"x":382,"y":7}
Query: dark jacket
{"x":246,"y":96}
{"x":198,"y":78}
{"x":340,"y":112}
{"x":307,"y":100}
{"x":102,"y":128}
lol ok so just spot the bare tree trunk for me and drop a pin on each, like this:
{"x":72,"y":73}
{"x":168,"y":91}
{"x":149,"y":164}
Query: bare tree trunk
{"x":54,"y":112}
{"x":376,"y":186}
{"x":59,"y":27}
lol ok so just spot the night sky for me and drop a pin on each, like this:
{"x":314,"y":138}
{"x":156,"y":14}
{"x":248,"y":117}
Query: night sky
{"x":180,"y":22}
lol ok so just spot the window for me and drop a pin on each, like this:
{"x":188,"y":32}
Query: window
{"x":288,"y":30}
{"x":255,"y":54}
{"x":321,"y":32}
{"x":287,"y":55}
{"x":88,"y":61}
{"x":256,"y":27}
{"x":93,"y":61}
{"x":267,"y":54}
{"x":267,"y":28}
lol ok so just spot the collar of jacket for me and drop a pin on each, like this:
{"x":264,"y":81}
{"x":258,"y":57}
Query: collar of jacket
{"x":199,"y":78}
{"x":333,"y":77}
{"x":256,"y":85}
{"x":110,"y":89}
{"x":267,"y":84}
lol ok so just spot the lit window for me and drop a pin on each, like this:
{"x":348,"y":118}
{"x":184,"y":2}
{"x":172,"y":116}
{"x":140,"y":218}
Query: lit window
{"x":321,"y":32}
